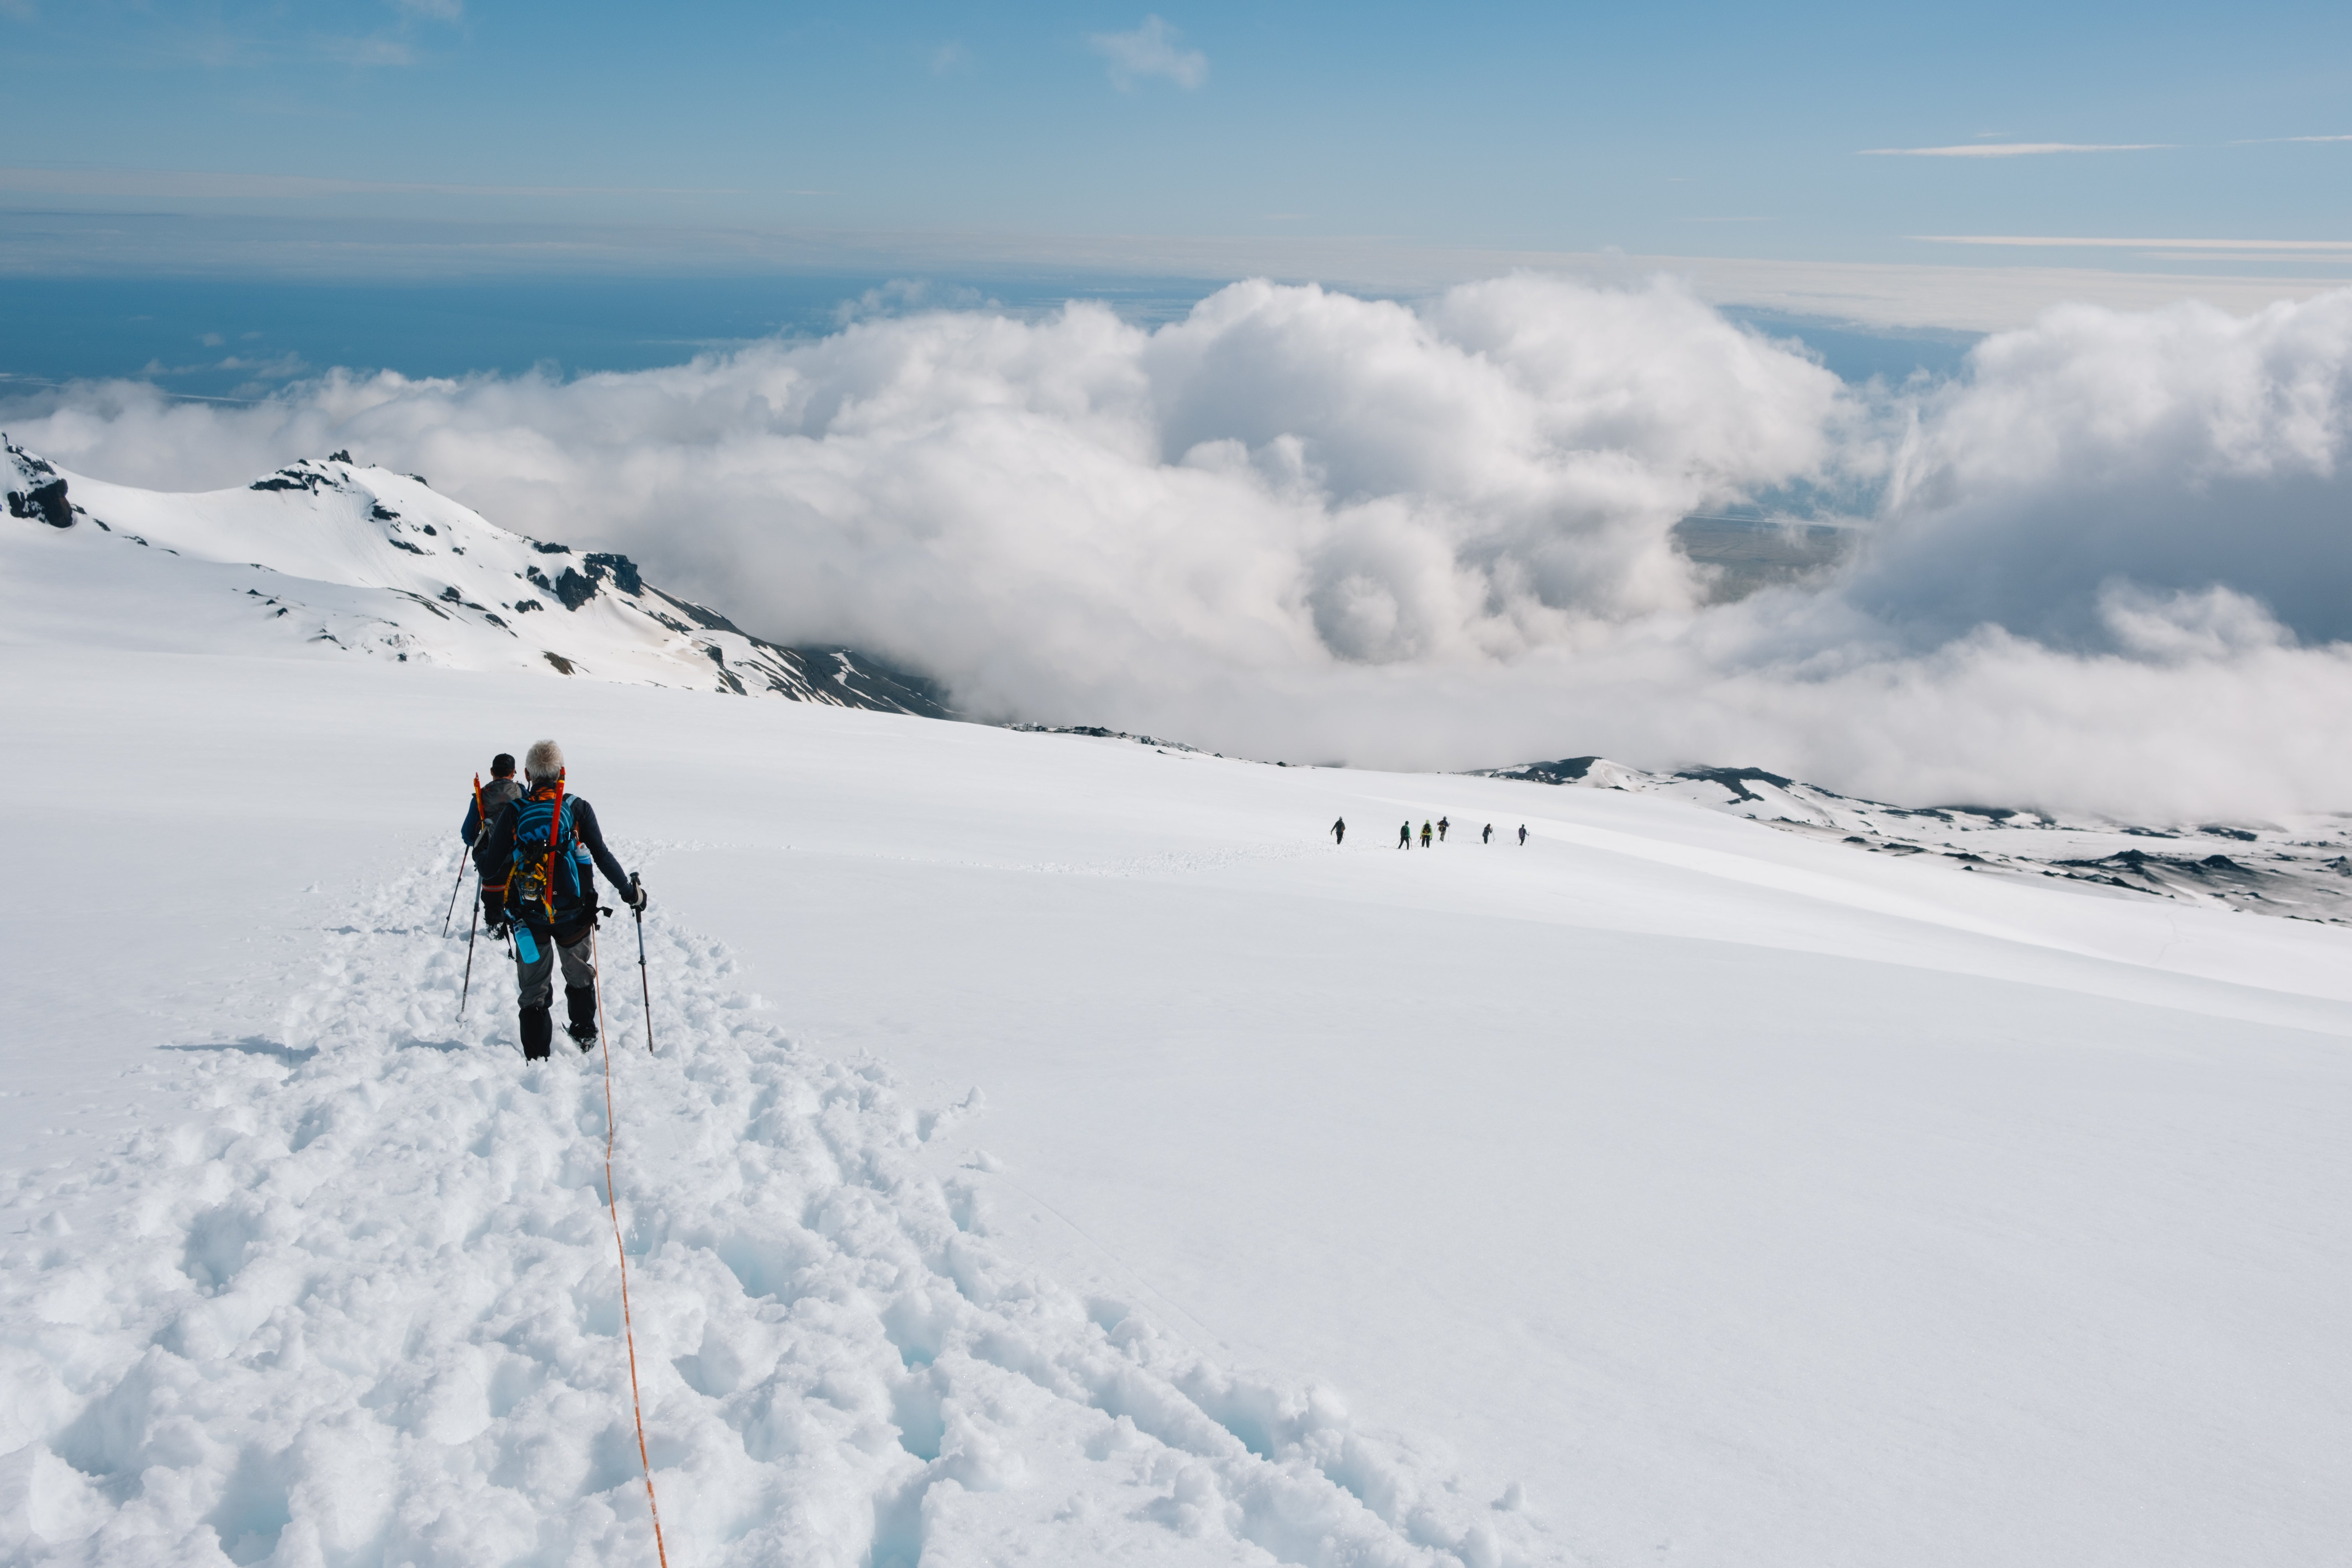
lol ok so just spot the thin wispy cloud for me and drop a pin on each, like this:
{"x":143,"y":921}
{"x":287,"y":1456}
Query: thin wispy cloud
{"x":1150,"y":50}
{"x":2272,"y":141}
{"x":205,"y":185}
{"x":368,"y":52}
{"x":439,"y":10}
{"x":2053,"y":241}
{"x":950,"y":57}
{"x":2012,"y":149}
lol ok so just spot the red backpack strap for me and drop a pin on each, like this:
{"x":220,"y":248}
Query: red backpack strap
{"x":554,"y":837}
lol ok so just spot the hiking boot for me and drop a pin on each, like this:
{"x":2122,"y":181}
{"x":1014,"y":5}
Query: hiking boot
{"x":538,"y":1030}
{"x":579,"y":1003}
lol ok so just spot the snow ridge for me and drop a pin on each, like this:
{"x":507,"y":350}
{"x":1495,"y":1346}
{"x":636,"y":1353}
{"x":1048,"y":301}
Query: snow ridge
{"x":2300,"y":869}
{"x":360,"y":1305}
{"x":334,"y":555}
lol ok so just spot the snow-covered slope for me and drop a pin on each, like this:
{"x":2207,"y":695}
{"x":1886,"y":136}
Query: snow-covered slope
{"x":333,"y":557}
{"x":2301,"y":870}
{"x":1059,"y":1150}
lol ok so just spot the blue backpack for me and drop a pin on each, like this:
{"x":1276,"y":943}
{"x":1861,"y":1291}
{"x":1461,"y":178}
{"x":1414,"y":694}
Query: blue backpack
{"x":527,"y":882}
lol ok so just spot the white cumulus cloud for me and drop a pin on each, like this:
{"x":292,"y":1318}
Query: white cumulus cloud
{"x":2107,"y":567}
{"x":1150,"y":50}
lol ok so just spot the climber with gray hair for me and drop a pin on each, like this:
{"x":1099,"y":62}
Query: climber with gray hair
{"x":549,"y":840}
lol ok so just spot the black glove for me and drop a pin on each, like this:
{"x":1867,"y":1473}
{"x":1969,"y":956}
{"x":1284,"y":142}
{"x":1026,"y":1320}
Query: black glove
{"x":636,"y":899}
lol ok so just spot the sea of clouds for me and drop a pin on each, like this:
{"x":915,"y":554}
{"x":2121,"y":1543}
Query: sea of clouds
{"x":2107,"y":567}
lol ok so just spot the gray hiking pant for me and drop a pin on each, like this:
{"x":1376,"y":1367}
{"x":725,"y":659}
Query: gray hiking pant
{"x":533,"y":977}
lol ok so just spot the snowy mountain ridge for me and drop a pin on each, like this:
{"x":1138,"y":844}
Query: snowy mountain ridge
{"x":2301,"y":870}
{"x":363,"y":560}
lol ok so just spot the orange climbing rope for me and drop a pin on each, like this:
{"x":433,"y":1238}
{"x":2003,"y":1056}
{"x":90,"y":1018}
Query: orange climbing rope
{"x":612,"y":1205}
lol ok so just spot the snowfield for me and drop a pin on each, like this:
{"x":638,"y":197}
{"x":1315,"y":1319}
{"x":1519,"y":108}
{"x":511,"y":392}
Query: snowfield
{"x":1057,"y":1150}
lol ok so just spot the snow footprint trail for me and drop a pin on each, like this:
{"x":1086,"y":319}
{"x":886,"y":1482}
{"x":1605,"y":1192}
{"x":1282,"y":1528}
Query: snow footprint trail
{"x":361,"y":1306}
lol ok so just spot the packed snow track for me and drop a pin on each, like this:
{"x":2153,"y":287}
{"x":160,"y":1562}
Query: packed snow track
{"x":360,"y":1305}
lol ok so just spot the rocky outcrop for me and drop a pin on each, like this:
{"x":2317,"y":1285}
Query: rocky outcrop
{"x":2298,"y":871}
{"x":36,"y":491}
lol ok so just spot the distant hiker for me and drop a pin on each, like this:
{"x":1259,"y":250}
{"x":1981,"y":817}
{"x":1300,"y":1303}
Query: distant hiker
{"x":1404,"y":834}
{"x":481,"y":813}
{"x":1424,"y":835}
{"x":1523,"y":836}
{"x":1340,"y":831}
{"x":1441,"y":825}
{"x":1487,"y":834}
{"x":547,"y":840}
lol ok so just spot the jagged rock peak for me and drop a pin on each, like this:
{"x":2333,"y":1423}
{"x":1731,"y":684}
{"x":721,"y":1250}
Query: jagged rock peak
{"x":35,"y":489}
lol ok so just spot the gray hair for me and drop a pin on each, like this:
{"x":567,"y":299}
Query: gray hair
{"x":544,"y":764}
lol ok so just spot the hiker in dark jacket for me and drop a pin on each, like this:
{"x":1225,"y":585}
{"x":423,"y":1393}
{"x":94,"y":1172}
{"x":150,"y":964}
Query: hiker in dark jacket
{"x":1404,"y":836}
{"x":552,"y":900}
{"x":1340,"y":831}
{"x":1441,"y":825}
{"x":1487,"y":834}
{"x":480,"y":812}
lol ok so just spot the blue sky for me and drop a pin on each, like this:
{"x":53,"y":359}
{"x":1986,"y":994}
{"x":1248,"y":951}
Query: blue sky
{"x":1851,"y":166}
{"x":1668,"y":130}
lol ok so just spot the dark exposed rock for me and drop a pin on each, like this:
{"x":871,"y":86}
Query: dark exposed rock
{"x":727,"y":677}
{"x":342,"y":456}
{"x":1566,"y":771}
{"x":539,"y":579}
{"x":546,"y":549}
{"x":1099,"y":733}
{"x":1736,"y":780}
{"x":412,"y":549}
{"x":865,"y":681}
{"x":703,"y":616}
{"x":525,"y":605}
{"x":557,"y":660}
{"x":451,"y":595}
{"x":295,"y":477}
{"x":41,"y":491}
{"x":44,"y":501}
{"x":622,"y":570}
{"x":573,"y":589}
{"x":2218,"y":831}
{"x":383,"y":513}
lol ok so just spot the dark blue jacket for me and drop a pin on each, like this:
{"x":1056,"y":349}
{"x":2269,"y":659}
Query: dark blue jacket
{"x":495,"y":795}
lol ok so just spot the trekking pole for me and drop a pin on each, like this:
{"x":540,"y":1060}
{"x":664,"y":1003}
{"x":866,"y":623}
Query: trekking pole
{"x":474,"y":920}
{"x":453,"y":896}
{"x":637,"y":900}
